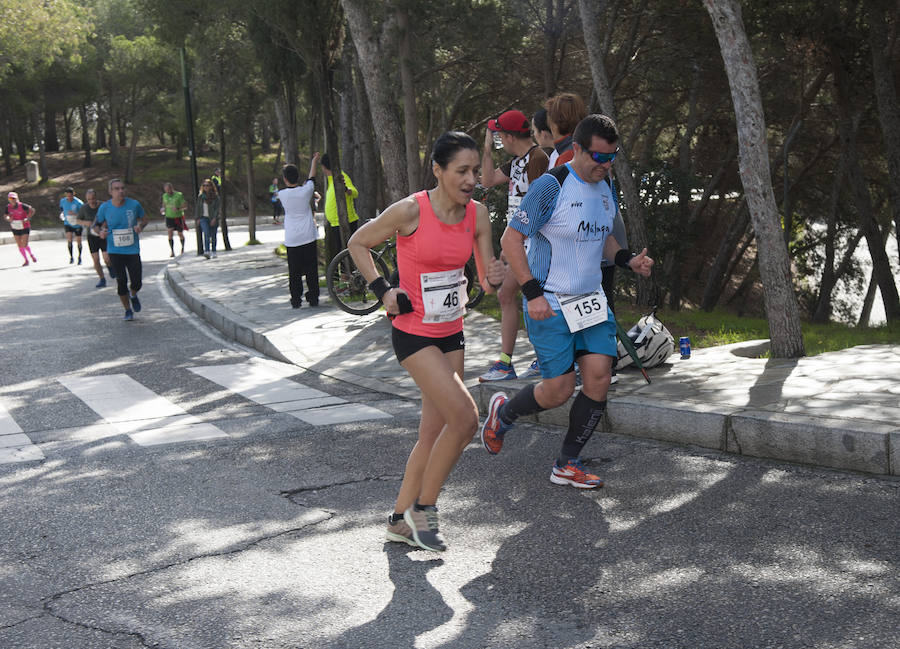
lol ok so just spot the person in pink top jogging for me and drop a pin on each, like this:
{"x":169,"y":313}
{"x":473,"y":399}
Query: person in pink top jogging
{"x":437,"y":231}
{"x":19,"y":217}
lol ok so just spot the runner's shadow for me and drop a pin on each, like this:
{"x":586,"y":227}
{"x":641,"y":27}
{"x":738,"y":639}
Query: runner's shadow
{"x":415,"y":608}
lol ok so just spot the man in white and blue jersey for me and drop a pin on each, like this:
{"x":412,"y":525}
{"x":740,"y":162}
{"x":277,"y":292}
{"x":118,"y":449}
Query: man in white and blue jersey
{"x":568,"y":213}
{"x":120,"y":221}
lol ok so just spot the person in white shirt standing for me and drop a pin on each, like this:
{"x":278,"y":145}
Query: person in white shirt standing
{"x":300,"y":233}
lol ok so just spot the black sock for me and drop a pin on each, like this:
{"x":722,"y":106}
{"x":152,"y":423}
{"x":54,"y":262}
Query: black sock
{"x":421,"y":508}
{"x":396,"y":518}
{"x":523,"y":403}
{"x":584,"y":416}
{"x":70,"y":248}
{"x":79,"y":251}
{"x":171,"y":245}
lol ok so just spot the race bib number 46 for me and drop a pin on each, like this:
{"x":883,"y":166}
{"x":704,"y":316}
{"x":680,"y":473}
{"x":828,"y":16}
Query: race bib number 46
{"x":443,"y":295}
{"x":583,"y":311}
{"x":123,"y":238}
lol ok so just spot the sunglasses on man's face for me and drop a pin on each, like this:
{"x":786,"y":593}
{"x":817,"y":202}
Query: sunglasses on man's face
{"x":603,"y":158}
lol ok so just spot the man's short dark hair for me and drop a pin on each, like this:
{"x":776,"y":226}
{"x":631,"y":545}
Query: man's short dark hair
{"x":326,"y":162}
{"x":596,"y":124}
{"x":291,"y":174}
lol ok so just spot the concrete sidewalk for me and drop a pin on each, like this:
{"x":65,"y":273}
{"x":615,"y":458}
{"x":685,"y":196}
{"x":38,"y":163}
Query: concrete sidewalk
{"x":838,"y":410}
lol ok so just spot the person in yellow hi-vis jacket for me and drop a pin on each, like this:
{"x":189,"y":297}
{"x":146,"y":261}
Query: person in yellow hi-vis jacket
{"x":332,"y":226}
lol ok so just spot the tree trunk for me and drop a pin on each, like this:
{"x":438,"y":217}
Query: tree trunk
{"x":775,"y":269}
{"x":51,"y":139}
{"x":113,"y":136}
{"x":368,"y":203}
{"x":881,"y":265}
{"x":85,"y":135}
{"x":223,"y":212}
{"x":67,"y":126}
{"x":888,"y":103}
{"x":101,"y":130}
{"x":865,"y":313}
{"x":410,"y":118}
{"x":42,"y":157}
{"x":373,"y":63}
{"x":132,"y":152}
{"x":648,"y":292}
{"x":326,"y":94}
{"x":6,"y":145}
{"x":286,"y":116}
{"x":251,"y":183}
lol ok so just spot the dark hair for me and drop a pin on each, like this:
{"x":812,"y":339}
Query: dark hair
{"x":291,"y":174}
{"x":596,"y":124}
{"x":326,"y":161}
{"x":69,"y":190}
{"x":565,"y":110}
{"x":540,"y":120}
{"x":446,"y":146}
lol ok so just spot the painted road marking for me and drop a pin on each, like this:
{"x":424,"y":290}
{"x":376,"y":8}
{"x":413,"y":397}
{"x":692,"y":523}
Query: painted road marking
{"x":137,"y":411}
{"x":268,"y":386}
{"x":15,"y":446}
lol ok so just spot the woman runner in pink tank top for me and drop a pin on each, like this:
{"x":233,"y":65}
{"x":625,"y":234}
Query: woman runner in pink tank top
{"x":437,"y":231}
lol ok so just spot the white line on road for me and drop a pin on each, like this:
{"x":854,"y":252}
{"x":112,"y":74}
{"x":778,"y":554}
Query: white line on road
{"x":15,"y":446}
{"x":137,"y":411}
{"x":268,"y":386}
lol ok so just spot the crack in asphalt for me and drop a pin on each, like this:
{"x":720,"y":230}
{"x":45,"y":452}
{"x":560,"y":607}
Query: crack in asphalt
{"x":47,"y":602}
{"x":313,"y":488}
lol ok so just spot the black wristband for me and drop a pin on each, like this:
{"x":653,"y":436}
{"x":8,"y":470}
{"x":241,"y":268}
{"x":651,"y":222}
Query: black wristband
{"x":379,"y":286}
{"x":532,"y":289}
{"x":623,"y":257}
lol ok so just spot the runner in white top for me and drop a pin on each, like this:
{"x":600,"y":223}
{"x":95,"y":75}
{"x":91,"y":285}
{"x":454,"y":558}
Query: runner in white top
{"x":568,"y":213}
{"x":528,"y":163}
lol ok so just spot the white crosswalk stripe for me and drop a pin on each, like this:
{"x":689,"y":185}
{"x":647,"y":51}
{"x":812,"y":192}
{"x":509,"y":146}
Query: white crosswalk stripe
{"x":137,"y":411}
{"x":15,"y":446}
{"x":267,"y":385}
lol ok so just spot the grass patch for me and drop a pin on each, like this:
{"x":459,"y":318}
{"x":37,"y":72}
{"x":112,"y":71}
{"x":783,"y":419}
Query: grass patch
{"x":711,"y":329}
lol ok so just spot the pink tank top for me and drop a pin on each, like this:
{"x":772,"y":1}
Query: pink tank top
{"x":432,"y":248}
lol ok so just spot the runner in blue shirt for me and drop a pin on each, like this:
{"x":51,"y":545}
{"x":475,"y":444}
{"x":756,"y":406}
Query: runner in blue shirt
{"x":69,"y":206}
{"x":568,"y":213}
{"x":120,"y":220}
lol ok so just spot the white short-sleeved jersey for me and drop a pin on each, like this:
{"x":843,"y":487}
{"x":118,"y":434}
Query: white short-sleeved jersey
{"x":568,"y":221}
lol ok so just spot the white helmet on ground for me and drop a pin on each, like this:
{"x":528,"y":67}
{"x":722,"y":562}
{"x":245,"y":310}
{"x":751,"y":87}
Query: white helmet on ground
{"x":652,"y":341}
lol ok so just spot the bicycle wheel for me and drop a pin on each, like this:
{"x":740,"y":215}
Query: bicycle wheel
{"x":473,"y":287}
{"x":347,"y":286}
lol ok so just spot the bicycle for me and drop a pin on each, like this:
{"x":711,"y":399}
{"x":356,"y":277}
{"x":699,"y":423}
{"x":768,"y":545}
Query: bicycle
{"x":350,"y":290}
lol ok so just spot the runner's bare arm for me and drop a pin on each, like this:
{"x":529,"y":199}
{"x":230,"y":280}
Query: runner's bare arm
{"x":400,"y":218}
{"x":490,"y":175}
{"x":491,"y":270}
{"x":513,"y":243}
{"x":640,"y":263}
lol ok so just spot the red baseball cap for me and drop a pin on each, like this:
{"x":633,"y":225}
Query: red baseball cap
{"x":512,"y":121}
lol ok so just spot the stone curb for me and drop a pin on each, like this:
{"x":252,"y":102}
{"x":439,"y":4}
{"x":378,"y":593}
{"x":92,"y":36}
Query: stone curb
{"x":868,"y":447}
{"x":803,"y":439}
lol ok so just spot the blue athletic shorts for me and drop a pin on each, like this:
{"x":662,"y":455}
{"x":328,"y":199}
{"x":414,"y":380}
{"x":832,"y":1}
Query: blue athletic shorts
{"x":557,"y":347}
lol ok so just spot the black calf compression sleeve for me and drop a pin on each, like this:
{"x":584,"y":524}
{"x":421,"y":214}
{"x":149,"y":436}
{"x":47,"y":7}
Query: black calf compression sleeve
{"x":584,"y":416}
{"x":522,"y":404}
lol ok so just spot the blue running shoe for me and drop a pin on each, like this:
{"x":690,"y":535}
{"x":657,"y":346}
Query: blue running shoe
{"x":129,"y":315}
{"x":499,"y":371}
{"x":493,"y":428}
{"x":533,"y":370}
{"x":101,"y":283}
{"x":135,"y":303}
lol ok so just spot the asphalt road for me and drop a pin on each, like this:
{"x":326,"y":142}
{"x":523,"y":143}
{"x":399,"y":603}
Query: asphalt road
{"x":271,"y":535}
